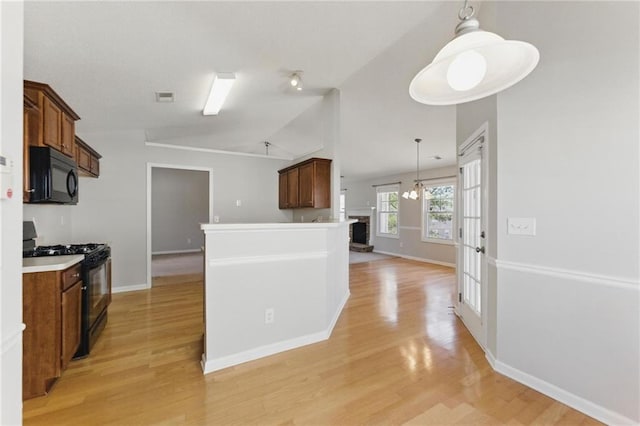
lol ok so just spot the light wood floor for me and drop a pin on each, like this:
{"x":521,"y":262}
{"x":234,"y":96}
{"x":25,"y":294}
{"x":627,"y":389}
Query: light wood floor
{"x":397,"y":355}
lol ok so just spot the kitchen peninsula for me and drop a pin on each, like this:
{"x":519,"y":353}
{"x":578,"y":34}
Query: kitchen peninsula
{"x":271,"y":287}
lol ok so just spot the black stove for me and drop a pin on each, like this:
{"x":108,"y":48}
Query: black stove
{"x":96,"y":281}
{"x":61,"y":250}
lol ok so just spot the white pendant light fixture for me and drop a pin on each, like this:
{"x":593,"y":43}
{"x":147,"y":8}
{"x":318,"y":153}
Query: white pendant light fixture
{"x":418,"y":187}
{"x":473,"y":65}
{"x":220,"y":88}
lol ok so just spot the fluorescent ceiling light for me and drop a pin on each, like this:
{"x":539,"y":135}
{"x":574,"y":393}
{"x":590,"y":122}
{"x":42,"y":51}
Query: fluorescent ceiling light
{"x":220,"y":88}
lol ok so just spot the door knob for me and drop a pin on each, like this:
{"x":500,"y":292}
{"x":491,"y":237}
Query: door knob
{"x":479,"y":249}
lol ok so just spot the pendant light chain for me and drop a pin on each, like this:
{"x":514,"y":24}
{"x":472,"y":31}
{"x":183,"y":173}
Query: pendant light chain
{"x":466,"y":12}
{"x":417,"y":160}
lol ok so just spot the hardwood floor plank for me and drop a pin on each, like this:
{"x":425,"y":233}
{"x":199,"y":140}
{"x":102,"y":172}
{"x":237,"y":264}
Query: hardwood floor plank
{"x":398,"y":355}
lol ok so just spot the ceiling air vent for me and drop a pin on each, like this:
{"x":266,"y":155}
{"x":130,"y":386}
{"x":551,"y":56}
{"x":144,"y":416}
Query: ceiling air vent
{"x":164,"y":97}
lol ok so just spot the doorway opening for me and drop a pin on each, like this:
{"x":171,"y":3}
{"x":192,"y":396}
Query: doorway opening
{"x":179,"y":199}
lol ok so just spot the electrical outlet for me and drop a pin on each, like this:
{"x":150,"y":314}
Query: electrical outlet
{"x":238,"y":203}
{"x":401,"y":244}
{"x":216,"y":219}
{"x":269,"y":316}
{"x":188,"y":240}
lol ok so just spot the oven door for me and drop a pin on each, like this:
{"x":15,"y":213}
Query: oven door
{"x":98,"y":288}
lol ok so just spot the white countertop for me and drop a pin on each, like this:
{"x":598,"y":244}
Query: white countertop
{"x":272,"y":225}
{"x":49,"y":263}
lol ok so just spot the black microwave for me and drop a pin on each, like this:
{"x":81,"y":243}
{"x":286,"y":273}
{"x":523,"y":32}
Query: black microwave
{"x":53,"y":177}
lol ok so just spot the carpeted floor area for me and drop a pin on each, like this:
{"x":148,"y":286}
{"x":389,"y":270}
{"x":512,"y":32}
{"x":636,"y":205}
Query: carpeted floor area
{"x":163,"y":265}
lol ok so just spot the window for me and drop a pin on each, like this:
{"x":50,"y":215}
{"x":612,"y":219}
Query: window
{"x":438,"y":214}
{"x":388,"y":210}
{"x":343,"y":204}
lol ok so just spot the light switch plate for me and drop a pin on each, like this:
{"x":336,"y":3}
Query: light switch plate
{"x":521,"y":226}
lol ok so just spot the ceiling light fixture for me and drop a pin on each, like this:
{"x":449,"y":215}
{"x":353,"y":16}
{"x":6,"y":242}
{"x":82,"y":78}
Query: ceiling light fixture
{"x":222,"y":83}
{"x":296,"y":80}
{"x":418,"y":187}
{"x":473,"y":65}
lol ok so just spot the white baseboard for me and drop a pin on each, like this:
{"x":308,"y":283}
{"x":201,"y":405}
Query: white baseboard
{"x":126,"y":288}
{"x":177,"y":251}
{"x":419,"y":259}
{"x":337,"y":313}
{"x":209,"y":366}
{"x":589,"y":408}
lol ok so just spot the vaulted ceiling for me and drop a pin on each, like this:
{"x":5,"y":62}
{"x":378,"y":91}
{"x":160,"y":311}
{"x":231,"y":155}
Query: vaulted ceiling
{"x":107,"y":60}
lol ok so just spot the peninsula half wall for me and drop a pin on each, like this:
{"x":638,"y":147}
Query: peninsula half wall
{"x":271,"y":287}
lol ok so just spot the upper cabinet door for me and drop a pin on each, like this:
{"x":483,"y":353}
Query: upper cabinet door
{"x":67,"y":138}
{"x":292,"y":189}
{"x":52,"y":119}
{"x":306,"y":184}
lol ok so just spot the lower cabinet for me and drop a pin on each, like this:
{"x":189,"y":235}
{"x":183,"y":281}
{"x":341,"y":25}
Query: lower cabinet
{"x":51,"y":312}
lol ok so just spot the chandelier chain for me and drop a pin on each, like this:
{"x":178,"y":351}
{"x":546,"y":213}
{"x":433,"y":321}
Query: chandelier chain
{"x":466,"y":12}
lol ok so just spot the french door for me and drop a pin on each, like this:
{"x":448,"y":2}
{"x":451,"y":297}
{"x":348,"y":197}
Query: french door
{"x":472,"y":263}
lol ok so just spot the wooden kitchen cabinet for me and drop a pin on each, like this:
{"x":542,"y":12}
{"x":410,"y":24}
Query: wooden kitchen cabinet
{"x":30,"y":128}
{"x":52,"y":305}
{"x":288,"y":189}
{"x":88,"y":159}
{"x":54,"y":124}
{"x":308,"y":185}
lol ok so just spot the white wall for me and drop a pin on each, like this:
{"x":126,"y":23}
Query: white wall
{"x":361,"y":196}
{"x":53,"y":221}
{"x":318,"y":126}
{"x":113,"y":207}
{"x":180,"y":203}
{"x":300,"y":271}
{"x":568,"y":299}
{"x":11,"y":37}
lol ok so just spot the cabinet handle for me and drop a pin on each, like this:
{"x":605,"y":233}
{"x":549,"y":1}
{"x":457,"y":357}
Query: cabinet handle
{"x":31,"y":190}
{"x":76,"y":275}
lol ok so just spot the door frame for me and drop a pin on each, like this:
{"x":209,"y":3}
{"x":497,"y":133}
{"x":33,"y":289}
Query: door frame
{"x":150,"y":167}
{"x":480,"y":132}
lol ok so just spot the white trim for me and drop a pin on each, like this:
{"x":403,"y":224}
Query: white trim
{"x":574,"y":401}
{"x":490,"y":358}
{"x":483,"y":130}
{"x":216,"y":151}
{"x":127,"y":288}
{"x":410,"y":228}
{"x":209,"y":366}
{"x":479,"y":141}
{"x":419,"y":259}
{"x":338,"y":311}
{"x":13,"y":339}
{"x":438,"y":241}
{"x":150,"y":167}
{"x":567,"y":274}
{"x":267,"y":259}
{"x":176,"y":251}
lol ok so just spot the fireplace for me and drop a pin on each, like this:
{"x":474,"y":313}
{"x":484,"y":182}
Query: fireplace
{"x":359,"y":233}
